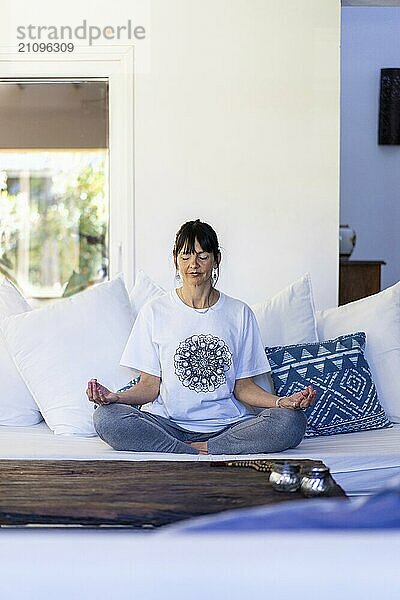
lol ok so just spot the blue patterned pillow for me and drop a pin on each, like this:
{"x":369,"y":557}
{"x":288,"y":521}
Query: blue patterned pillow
{"x":346,"y":395}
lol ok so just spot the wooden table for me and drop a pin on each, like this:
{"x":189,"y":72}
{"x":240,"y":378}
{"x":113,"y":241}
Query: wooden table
{"x":133,"y":494}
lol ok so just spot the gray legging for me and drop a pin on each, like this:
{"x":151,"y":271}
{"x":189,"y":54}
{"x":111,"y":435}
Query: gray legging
{"x":127,"y":428}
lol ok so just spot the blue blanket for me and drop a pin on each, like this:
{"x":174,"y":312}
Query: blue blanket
{"x":380,"y":511}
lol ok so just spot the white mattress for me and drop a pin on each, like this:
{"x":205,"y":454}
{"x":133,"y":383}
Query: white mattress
{"x":66,"y":562}
{"x":108,"y":565}
{"x":360,"y":462}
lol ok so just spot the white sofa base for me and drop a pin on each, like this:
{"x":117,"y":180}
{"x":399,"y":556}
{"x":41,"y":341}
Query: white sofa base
{"x":361,"y":463}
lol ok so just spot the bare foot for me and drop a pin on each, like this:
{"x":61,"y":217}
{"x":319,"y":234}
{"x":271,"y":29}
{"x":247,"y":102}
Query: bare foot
{"x":202,"y":447}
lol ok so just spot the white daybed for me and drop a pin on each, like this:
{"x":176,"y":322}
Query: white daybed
{"x":111,"y":563}
{"x":120,"y":565}
{"x":104,"y":564}
{"x":361,"y":463}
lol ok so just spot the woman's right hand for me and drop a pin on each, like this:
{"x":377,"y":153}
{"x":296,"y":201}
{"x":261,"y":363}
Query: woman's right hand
{"x":98,"y":393}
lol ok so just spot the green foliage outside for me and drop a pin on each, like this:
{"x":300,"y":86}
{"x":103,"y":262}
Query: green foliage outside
{"x":72,"y":223}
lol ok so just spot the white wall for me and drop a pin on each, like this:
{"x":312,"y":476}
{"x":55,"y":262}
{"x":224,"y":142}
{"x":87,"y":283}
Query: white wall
{"x":236,"y":122}
{"x":370,"y":174}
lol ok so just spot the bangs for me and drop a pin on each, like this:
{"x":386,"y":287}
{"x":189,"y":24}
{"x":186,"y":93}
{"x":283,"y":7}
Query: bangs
{"x":186,"y":238}
{"x":186,"y":243}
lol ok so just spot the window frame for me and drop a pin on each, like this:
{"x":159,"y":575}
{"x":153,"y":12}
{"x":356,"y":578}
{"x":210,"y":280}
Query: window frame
{"x":116,"y":64}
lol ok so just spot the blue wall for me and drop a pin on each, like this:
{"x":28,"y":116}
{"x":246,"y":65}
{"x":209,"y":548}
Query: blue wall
{"x":370,"y":174}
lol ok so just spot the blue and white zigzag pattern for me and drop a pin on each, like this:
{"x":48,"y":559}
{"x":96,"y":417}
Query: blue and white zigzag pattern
{"x":346,"y":395}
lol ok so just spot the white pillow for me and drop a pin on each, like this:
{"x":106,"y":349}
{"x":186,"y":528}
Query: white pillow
{"x":17,"y":406}
{"x":287,"y":318}
{"x":58,"y":348}
{"x":379,"y":317}
{"x":145,"y":289}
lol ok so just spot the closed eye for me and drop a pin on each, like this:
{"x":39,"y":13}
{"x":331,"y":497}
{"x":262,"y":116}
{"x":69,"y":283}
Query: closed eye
{"x":186,"y":257}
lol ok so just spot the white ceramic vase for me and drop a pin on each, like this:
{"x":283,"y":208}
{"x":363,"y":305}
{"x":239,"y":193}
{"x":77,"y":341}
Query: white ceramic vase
{"x":347,"y":241}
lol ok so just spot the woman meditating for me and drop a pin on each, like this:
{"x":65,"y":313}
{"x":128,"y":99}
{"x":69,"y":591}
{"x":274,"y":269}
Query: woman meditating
{"x":197,"y":350}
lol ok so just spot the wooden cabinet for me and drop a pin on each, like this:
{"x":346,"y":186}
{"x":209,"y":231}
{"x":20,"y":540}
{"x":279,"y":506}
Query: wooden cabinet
{"x":358,"y":279}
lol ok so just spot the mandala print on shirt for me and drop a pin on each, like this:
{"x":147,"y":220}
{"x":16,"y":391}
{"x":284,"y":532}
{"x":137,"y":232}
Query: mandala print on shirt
{"x":201,"y":362}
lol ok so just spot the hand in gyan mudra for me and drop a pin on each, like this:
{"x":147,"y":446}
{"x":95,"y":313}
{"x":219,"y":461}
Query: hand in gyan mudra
{"x":300,"y":400}
{"x":99,"y":394}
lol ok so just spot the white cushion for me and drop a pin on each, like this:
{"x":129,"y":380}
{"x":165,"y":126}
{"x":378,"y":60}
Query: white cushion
{"x":11,"y":301}
{"x":145,"y":289}
{"x":379,"y":317}
{"x":289,"y":316}
{"x":286,"y":318}
{"x":58,"y":348}
{"x":17,"y":406}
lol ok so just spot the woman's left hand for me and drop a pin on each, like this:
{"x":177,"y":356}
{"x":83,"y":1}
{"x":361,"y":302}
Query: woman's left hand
{"x":299,"y":400}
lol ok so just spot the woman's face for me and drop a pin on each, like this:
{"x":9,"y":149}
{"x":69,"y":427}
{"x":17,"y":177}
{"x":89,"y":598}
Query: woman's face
{"x":196,"y":268}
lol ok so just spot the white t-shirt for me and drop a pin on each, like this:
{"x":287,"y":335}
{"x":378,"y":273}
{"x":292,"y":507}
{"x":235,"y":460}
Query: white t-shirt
{"x":198,"y":354}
